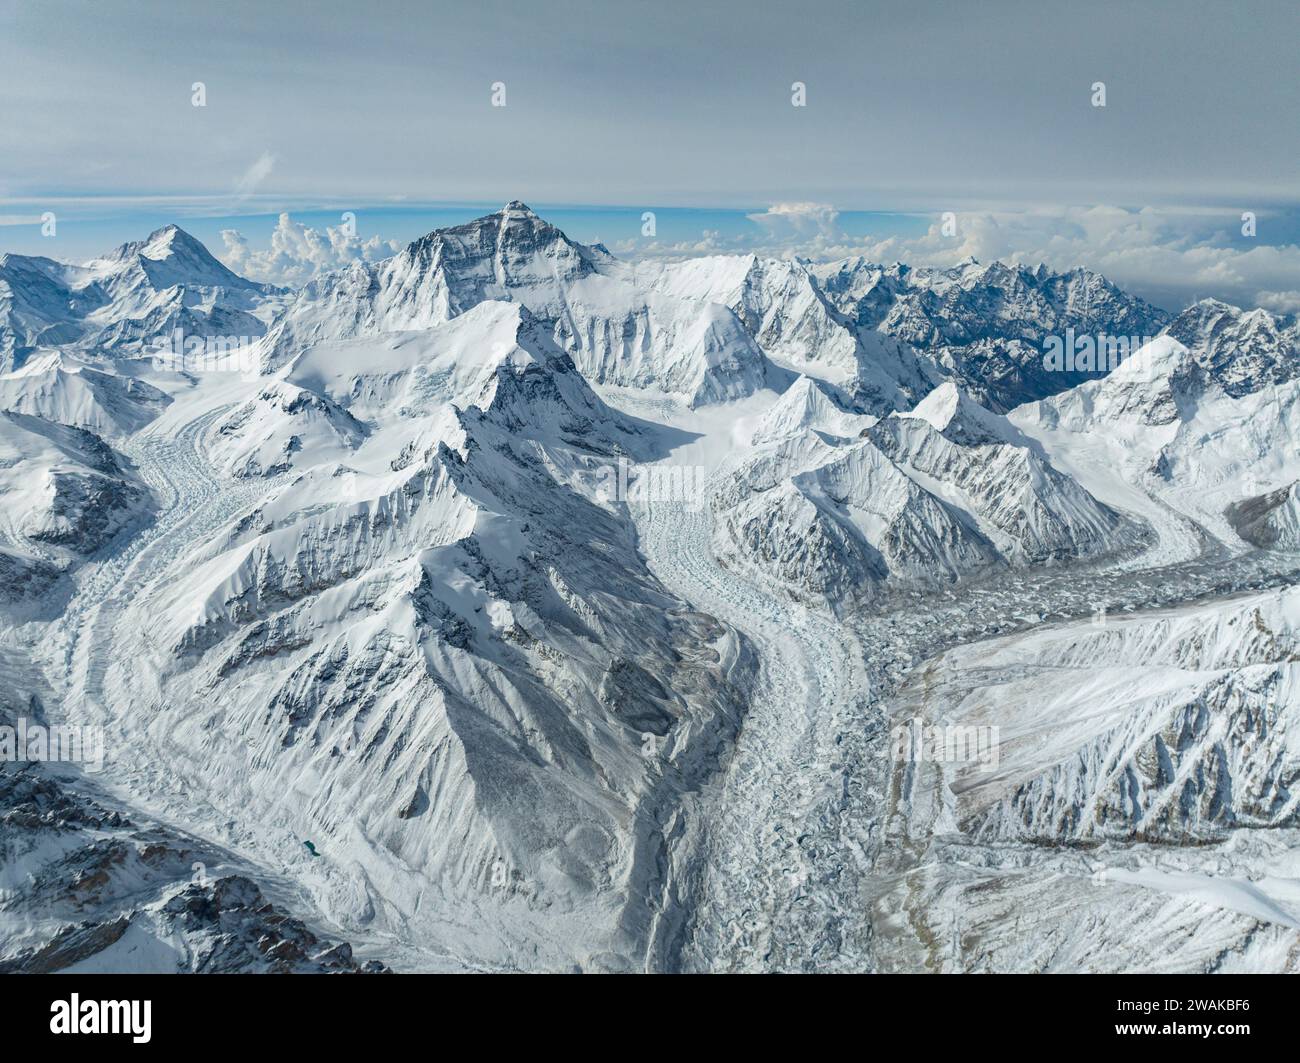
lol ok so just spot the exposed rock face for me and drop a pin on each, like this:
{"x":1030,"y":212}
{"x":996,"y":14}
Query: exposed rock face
{"x":1241,"y":351}
{"x":88,"y":889}
{"x":64,"y":494}
{"x":1270,"y":521}
{"x":986,"y":324}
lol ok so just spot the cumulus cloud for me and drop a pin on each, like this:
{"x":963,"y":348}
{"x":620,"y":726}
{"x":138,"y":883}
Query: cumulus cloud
{"x":1279,"y":302}
{"x":298,"y":252}
{"x":1174,"y":256}
{"x":797,"y":219}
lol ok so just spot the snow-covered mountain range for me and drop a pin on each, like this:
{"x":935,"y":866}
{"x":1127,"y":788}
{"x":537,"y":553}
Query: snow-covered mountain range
{"x":136,"y":295}
{"x":506,"y":605}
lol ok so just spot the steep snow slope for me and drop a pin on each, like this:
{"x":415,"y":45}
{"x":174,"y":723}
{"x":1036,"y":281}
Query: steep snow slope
{"x":927,"y":497}
{"x":284,"y":427}
{"x":1270,"y":521}
{"x":1163,"y":421}
{"x":167,"y":258}
{"x":808,"y":405}
{"x":782,"y":306}
{"x":837,"y":523}
{"x":958,"y":418}
{"x":977,"y":461}
{"x":64,"y":389}
{"x":64,"y":493}
{"x":409,"y":374}
{"x":38,"y":297}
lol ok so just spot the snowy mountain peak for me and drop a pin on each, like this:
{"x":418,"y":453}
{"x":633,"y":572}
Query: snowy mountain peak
{"x":126,"y":300}
{"x":166,"y":258}
{"x":160,"y":244}
{"x":486,"y":257}
{"x":170,"y":240}
{"x":955,"y":415}
{"x":1242,"y":350}
{"x":616,"y":330}
{"x":807,"y":406}
{"x":986,"y":324}
{"x":1158,"y":384}
{"x":1160,"y":359}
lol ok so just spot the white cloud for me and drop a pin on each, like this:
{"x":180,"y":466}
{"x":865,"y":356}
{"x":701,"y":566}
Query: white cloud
{"x":1183,"y":255}
{"x":1279,"y":302}
{"x":799,"y":219}
{"x":298,"y":252}
{"x":711,"y":242}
